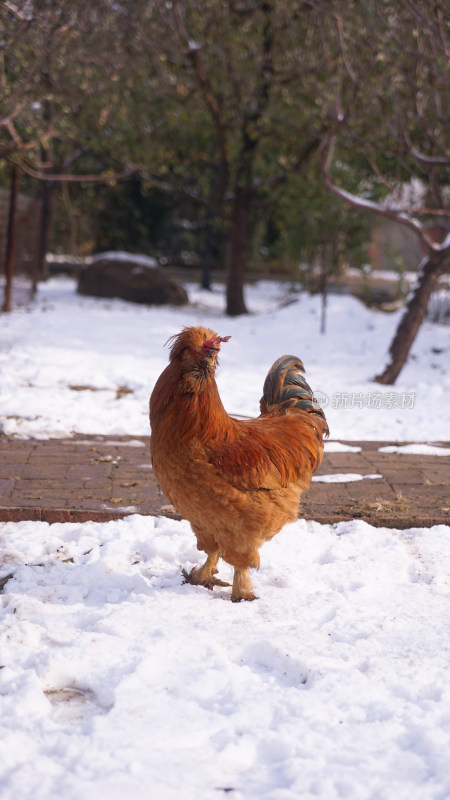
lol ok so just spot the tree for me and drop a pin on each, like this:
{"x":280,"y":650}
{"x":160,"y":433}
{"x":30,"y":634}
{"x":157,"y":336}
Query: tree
{"x":402,"y":83}
{"x":235,"y":120}
{"x":60,"y":85}
{"x":212,"y":101}
{"x":11,"y":239}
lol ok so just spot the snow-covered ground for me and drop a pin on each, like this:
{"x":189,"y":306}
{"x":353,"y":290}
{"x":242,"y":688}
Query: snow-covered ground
{"x":117,"y":681}
{"x":64,"y":362}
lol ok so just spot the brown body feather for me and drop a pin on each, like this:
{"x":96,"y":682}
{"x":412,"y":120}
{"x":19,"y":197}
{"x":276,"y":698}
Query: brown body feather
{"x":236,"y":481}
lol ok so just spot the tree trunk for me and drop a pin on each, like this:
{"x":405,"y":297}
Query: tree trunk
{"x":236,"y":258}
{"x":434,"y":267}
{"x":218,"y":184}
{"x":11,"y":238}
{"x":48,"y":191}
{"x":207,"y":255}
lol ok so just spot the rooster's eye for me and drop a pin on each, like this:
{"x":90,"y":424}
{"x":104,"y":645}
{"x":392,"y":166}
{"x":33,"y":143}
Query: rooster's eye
{"x":208,"y":350}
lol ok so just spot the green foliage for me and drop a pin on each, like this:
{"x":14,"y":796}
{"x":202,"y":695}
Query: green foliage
{"x":196,"y":100}
{"x":307,"y":228}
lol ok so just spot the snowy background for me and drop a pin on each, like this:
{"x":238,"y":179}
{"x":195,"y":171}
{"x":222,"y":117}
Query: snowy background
{"x":118,"y":681}
{"x":64,"y":361}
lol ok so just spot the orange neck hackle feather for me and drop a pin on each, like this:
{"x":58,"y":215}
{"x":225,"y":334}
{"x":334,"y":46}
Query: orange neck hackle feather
{"x":187,"y":390}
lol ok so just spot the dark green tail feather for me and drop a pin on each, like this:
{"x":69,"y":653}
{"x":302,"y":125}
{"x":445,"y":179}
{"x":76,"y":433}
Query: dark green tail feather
{"x":285,"y":388}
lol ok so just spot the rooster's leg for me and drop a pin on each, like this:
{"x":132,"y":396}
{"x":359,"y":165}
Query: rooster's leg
{"x":242,"y":586}
{"x":204,"y":575}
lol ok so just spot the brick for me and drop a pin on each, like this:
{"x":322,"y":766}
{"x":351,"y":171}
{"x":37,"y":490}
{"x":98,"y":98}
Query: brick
{"x":342,"y":462}
{"x":16,"y":501}
{"x":20,"y":514}
{"x":76,"y":515}
{"x":6,"y":487}
{"x":370,"y":488}
{"x":396,"y":476}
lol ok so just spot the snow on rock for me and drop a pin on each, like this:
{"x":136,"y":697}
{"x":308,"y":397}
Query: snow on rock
{"x":117,"y":679}
{"x":122,"y":255}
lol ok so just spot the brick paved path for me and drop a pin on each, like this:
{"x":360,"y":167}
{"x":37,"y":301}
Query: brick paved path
{"x":101,"y":478}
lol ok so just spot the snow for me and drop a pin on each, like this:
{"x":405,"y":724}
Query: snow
{"x":384,"y":274}
{"x":416,"y":450}
{"x":122,"y":255}
{"x":193,"y":46}
{"x":339,"y":447}
{"x":64,"y":361}
{"x":343,"y":477}
{"x":118,"y":681}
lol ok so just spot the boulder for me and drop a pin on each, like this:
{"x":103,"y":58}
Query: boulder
{"x":134,"y":278}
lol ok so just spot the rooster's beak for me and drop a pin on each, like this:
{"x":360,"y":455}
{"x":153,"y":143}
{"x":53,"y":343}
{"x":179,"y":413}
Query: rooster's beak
{"x":214,"y":343}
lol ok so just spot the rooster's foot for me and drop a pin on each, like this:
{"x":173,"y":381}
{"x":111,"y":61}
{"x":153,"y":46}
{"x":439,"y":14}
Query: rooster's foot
{"x":242,"y":586}
{"x":194,"y":577}
{"x":249,"y":596}
{"x":204,"y":575}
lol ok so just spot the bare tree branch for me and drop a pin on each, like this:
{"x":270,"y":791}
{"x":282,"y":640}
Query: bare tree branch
{"x":437,"y":161}
{"x":68,"y":178}
{"x":326,"y":152}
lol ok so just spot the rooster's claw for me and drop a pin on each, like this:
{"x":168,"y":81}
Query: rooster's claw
{"x":251,"y":596}
{"x":194,"y":578}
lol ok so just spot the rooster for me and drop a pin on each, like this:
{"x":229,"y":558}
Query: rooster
{"x":236,"y":481}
